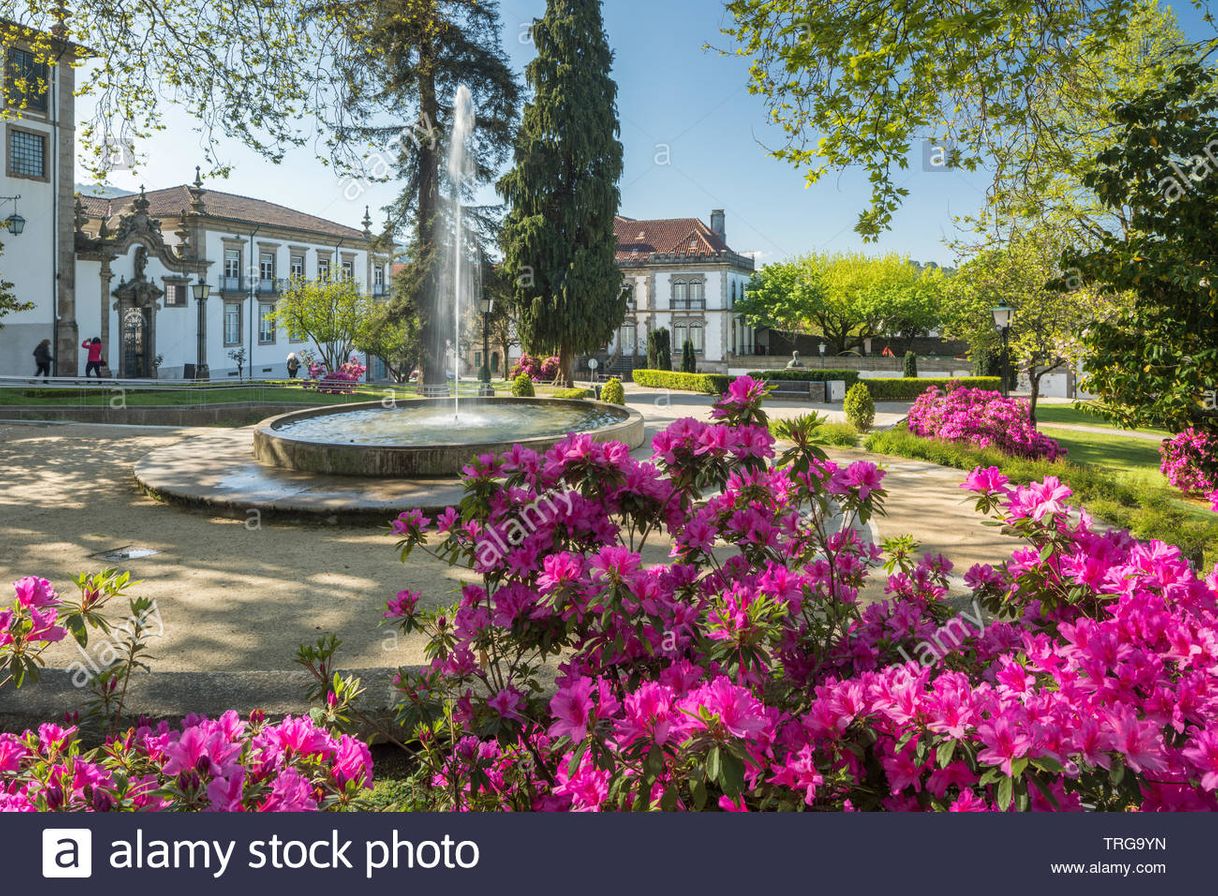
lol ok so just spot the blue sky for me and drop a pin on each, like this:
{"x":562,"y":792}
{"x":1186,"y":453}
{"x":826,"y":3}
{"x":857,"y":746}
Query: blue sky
{"x":672,"y":93}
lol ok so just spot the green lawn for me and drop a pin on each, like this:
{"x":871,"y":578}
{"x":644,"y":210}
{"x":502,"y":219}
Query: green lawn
{"x":1117,"y":453}
{"x":100,"y":394}
{"x":1068,"y":413}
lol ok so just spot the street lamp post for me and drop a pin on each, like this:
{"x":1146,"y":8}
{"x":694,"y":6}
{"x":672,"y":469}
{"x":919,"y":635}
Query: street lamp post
{"x":1002,"y":320}
{"x":202,"y":291}
{"x":484,"y":375}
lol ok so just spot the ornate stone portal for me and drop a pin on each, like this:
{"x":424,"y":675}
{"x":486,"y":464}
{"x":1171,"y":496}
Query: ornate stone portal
{"x":137,"y":307}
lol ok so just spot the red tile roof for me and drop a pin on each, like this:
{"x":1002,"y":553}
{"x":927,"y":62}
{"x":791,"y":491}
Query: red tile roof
{"x":171,"y":201}
{"x":638,"y":239}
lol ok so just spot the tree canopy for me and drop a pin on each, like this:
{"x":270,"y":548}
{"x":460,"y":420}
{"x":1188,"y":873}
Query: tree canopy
{"x":333,"y":314}
{"x":1156,"y":362}
{"x":846,"y":298}
{"x":1048,"y":318}
{"x":857,"y":83}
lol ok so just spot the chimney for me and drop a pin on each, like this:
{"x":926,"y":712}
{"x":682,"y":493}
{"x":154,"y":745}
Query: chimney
{"x":718,"y":223}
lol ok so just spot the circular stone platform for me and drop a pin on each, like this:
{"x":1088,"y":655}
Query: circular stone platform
{"x":423,"y":438}
{"x":217,"y":471}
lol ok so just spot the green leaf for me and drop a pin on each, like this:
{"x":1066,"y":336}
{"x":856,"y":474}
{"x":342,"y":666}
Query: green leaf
{"x":1005,"y":787}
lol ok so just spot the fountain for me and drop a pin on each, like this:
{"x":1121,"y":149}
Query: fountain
{"x":435,"y":436}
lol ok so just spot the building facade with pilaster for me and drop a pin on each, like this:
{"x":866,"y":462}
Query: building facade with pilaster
{"x":680,"y":273}
{"x":37,"y":168}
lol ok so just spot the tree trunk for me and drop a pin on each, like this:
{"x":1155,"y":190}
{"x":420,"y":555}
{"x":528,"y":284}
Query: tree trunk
{"x":566,"y":367}
{"x":1034,"y":381}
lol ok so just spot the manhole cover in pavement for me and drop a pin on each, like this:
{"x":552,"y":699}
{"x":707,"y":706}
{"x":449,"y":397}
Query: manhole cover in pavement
{"x":127,"y":552}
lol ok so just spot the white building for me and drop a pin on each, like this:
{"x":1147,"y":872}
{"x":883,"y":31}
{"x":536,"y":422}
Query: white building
{"x":134,"y":280}
{"x":37,"y":164}
{"x":122,"y":269}
{"x":681,"y":274}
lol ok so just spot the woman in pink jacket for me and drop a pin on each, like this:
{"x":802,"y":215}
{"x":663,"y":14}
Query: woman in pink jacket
{"x":94,"y":362}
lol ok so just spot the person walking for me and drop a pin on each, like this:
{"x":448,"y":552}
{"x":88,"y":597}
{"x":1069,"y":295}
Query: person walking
{"x":94,"y":362}
{"x":42,"y":356}
{"x":293,"y":365}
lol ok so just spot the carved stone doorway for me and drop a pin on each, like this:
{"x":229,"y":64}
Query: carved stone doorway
{"x":137,"y":343}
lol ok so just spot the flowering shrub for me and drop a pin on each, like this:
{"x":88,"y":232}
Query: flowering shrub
{"x":981,"y":418}
{"x":335,"y":382}
{"x":747,"y":674}
{"x":1190,"y":463}
{"x":537,"y":369}
{"x":222,"y":765}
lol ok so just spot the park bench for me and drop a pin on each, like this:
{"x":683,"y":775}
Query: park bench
{"x":801,"y":390}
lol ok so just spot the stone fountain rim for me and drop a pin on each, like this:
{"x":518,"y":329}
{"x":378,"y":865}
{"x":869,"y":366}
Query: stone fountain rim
{"x":276,"y":449}
{"x":270,"y":426}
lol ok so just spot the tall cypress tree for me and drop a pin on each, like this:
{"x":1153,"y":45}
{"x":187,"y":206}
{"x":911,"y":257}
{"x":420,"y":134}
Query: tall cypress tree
{"x":558,"y":239}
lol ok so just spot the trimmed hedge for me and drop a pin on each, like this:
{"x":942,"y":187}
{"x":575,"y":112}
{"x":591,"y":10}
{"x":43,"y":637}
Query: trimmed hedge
{"x":805,"y":375}
{"x":706,"y":383}
{"x":1145,"y":509}
{"x":572,"y":393}
{"x":900,"y":388}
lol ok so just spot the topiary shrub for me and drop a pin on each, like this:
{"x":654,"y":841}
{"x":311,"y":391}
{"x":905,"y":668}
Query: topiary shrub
{"x":859,"y":407}
{"x":663,"y":349}
{"x":613,"y":391}
{"x":522,"y":386}
{"x":689,"y":360}
{"x":573,"y":393}
{"x":911,"y":366}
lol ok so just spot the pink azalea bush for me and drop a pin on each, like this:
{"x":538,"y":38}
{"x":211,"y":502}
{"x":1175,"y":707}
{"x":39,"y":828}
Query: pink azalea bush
{"x":222,"y":765}
{"x":981,"y":418}
{"x":335,"y":382}
{"x":747,"y":673}
{"x":1190,"y":463}
{"x":538,"y":369}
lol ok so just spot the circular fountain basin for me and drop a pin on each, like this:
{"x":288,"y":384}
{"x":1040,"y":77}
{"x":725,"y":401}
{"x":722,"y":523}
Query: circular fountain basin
{"x":421,"y":437}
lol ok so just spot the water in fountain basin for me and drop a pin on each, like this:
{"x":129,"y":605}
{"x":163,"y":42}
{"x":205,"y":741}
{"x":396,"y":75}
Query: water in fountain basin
{"x":484,"y":423}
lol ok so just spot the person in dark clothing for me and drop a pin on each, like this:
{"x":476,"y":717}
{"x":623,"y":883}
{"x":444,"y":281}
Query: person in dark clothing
{"x":94,"y":362}
{"x":42,"y":356}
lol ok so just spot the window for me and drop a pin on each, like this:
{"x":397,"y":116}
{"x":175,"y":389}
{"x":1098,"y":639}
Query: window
{"x":348,"y":270}
{"x":26,"y":80}
{"x":266,"y":267}
{"x":297,"y":267}
{"x":628,"y":292}
{"x":232,"y":269}
{"x":378,"y":281}
{"x":691,"y":332}
{"x":323,"y":269}
{"x":697,"y":294}
{"x":232,"y":323}
{"x":680,"y":294}
{"x":627,"y":340}
{"x":175,"y":295}
{"x":266,"y":323}
{"x":27,"y":154}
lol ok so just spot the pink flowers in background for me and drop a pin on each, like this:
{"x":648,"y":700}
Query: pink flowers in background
{"x":228,"y":764}
{"x":982,"y":418}
{"x":538,"y":369}
{"x":335,"y":382}
{"x":1190,"y":463}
